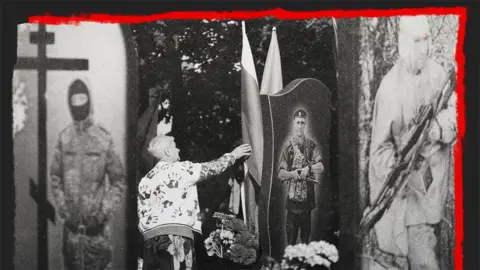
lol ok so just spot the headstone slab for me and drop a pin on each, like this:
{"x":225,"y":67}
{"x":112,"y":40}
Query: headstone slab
{"x":49,"y":59}
{"x":314,"y":98}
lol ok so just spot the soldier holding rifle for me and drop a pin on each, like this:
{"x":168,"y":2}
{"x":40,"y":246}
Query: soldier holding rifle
{"x":300,"y":166}
{"x":410,"y":91}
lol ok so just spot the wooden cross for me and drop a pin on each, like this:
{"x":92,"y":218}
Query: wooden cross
{"x":39,"y":192}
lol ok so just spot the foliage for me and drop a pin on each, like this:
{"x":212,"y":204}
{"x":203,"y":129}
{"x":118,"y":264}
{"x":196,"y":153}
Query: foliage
{"x":210,"y":54}
{"x":444,"y":31}
{"x":378,"y":53}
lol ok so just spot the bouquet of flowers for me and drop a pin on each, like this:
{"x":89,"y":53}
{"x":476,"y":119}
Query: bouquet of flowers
{"x":232,"y":241}
{"x":315,"y":255}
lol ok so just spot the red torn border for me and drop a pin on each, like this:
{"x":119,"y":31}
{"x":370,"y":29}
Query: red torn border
{"x":296,"y":15}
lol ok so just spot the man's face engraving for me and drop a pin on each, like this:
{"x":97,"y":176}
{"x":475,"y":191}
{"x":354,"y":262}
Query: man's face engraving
{"x":414,"y":42}
{"x":420,"y":51}
{"x":299,"y":124}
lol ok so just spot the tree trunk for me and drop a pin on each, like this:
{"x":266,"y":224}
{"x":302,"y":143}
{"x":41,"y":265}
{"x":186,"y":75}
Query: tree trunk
{"x":446,"y":228}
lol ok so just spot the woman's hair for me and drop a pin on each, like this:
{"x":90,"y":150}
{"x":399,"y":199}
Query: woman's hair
{"x":156,"y":142}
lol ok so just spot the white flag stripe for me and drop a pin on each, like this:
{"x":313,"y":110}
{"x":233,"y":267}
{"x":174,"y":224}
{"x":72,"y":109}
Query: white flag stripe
{"x":272,"y":82}
{"x":242,"y":194}
{"x":247,"y":60}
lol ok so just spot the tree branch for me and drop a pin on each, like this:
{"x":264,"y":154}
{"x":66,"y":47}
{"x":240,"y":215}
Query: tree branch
{"x":310,"y":23}
{"x":450,"y":225}
{"x":440,"y":28}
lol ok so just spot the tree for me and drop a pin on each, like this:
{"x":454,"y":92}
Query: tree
{"x":210,"y":52}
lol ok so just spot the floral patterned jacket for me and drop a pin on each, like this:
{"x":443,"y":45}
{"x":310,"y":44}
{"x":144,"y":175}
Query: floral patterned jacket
{"x":168,"y":199}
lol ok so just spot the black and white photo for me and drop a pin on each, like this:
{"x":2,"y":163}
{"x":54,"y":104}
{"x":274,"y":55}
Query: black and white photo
{"x":71,"y":150}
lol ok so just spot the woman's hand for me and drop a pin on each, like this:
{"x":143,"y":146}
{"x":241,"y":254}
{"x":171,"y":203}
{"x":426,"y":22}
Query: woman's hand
{"x":241,"y":151}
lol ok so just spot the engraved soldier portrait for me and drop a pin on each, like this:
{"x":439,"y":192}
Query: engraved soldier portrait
{"x":299,"y":167}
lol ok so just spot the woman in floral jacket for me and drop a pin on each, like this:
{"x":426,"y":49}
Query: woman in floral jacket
{"x":168,"y":209}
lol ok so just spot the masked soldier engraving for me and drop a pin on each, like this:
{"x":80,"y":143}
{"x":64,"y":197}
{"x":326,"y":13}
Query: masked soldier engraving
{"x":83,"y":157}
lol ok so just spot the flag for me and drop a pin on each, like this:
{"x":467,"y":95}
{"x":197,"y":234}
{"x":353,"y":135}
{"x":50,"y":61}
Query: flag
{"x":252,"y":129}
{"x":234,"y":203}
{"x":272,"y":81}
{"x":146,"y":131}
{"x":252,"y":133}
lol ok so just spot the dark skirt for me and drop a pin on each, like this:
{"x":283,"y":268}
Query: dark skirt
{"x":161,"y":252}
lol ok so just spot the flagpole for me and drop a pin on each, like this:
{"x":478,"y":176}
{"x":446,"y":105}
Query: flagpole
{"x":242,"y":194}
{"x":245,"y":166}
{"x":272,"y":83}
{"x":335,"y":33}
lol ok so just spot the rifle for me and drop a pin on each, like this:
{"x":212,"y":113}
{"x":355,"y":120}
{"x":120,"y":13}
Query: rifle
{"x":311,"y":177}
{"x":408,"y":158}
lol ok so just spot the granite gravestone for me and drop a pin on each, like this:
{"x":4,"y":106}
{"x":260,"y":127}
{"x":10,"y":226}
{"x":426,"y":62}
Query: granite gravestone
{"x":296,"y":134}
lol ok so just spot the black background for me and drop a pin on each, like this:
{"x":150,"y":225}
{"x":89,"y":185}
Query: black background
{"x":15,"y":12}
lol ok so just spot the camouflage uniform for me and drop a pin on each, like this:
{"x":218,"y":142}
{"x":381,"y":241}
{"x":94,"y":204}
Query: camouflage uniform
{"x":301,"y":193}
{"x":85,"y":200}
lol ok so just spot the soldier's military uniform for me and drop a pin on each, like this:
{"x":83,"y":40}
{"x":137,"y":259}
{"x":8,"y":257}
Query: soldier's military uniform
{"x":83,"y":156}
{"x":298,"y":154}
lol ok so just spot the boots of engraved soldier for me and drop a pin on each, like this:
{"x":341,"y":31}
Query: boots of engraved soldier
{"x":87,"y":251}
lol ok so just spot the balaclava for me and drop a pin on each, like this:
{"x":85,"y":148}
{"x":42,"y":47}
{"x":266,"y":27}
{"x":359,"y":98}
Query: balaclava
{"x":79,"y":100}
{"x":414,"y":54}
